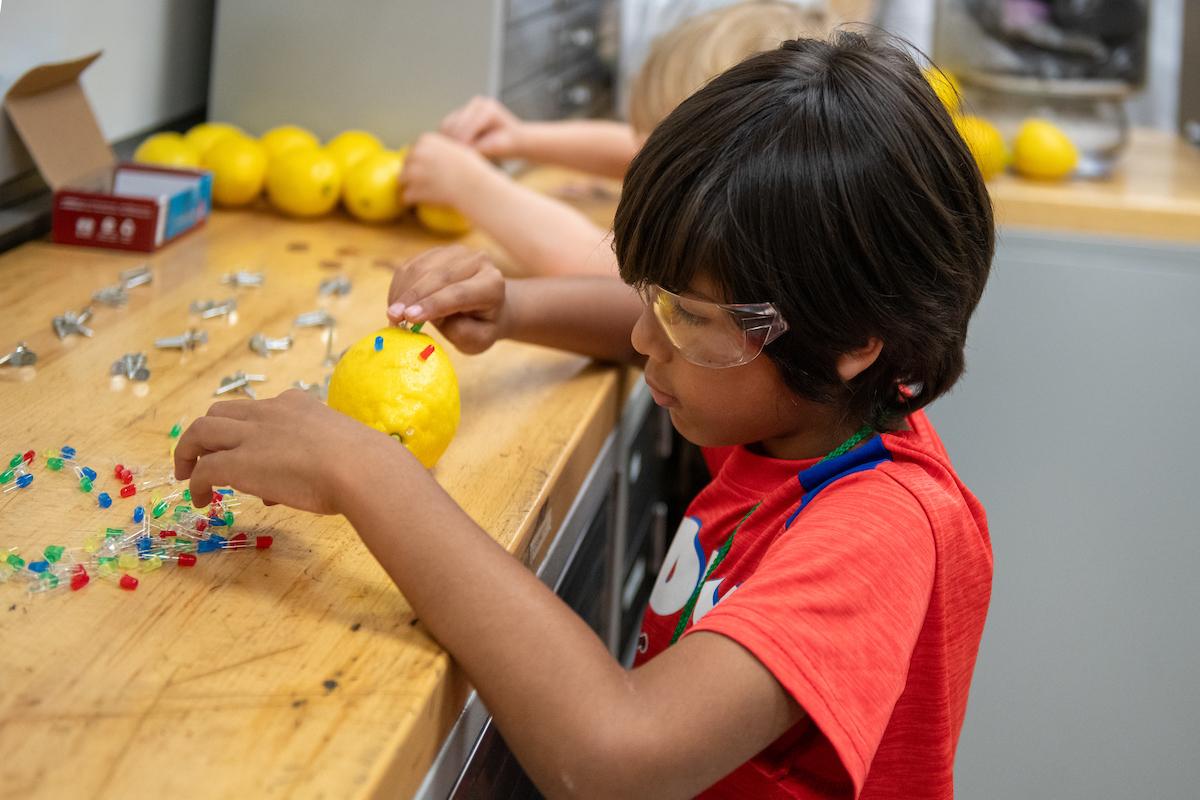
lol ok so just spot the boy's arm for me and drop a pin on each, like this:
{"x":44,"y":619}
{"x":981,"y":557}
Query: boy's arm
{"x":601,"y":147}
{"x":579,"y":724}
{"x":468,"y":299}
{"x":543,"y":235}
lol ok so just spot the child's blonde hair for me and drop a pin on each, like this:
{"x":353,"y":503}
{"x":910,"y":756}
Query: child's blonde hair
{"x":690,"y":55}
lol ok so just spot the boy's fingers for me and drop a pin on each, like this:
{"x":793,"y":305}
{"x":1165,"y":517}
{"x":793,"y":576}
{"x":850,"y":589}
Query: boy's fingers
{"x":469,"y":335}
{"x":233,"y":409}
{"x":206,"y":435}
{"x":452,"y":267}
{"x":213,"y":469}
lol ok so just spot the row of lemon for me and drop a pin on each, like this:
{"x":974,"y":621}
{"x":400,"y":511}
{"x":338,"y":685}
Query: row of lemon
{"x":1039,"y":149}
{"x":301,"y":177}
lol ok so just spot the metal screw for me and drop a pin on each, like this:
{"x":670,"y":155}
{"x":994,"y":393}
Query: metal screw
{"x":188,"y":340}
{"x":338,"y":285}
{"x":315,"y":319}
{"x":22,"y":356}
{"x":239,"y":381}
{"x":264,"y":345}
{"x":132,"y":366}
{"x":69,"y":323}
{"x":243,"y":278}
{"x":137,"y":276}
{"x":114,"y":296}
{"x":210,"y":309}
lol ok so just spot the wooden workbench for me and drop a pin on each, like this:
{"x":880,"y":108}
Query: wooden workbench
{"x":294,"y":672}
{"x":1154,"y":193}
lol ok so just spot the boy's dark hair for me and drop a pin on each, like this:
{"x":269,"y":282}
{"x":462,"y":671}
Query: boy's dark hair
{"x":827,"y":178}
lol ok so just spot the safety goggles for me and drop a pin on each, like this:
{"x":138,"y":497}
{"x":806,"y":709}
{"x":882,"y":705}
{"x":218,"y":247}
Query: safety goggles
{"x":714,"y":335}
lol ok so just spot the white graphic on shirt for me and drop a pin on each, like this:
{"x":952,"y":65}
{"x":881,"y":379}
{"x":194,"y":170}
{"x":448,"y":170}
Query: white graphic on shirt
{"x":680,"y":570}
{"x":709,"y":598}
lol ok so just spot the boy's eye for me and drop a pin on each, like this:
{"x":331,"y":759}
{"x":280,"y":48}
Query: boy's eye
{"x":672,"y":309}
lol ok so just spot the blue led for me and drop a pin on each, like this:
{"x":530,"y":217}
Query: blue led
{"x":216,"y":522}
{"x":226,"y":492}
{"x":39,"y":566}
{"x":67,"y":451}
{"x":104,"y":500}
{"x":378,"y":343}
{"x":89,"y":473}
{"x":206,"y":546}
{"x":24,"y":480}
{"x":139,"y":514}
{"x":218,"y":540}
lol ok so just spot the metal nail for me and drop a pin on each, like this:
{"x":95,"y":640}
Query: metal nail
{"x":188,"y":340}
{"x":339,"y":285}
{"x":22,"y":356}
{"x":132,"y":366}
{"x":264,"y":345}
{"x":114,"y":296}
{"x":243,"y":278}
{"x":137,"y":276}
{"x":239,"y":381}
{"x":315,"y":319}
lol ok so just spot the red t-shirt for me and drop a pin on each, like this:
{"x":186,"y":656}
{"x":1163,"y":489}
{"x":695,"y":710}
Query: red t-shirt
{"x":862,"y":584}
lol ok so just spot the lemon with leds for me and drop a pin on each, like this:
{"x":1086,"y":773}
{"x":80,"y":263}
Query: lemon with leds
{"x":167,"y":150}
{"x":239,"y":168}
{"x":206,"y":134}
{"x":285,"y":138}
{"x":1041,"y":150}
{"x":986,"y":144}
{"x":443,"y":220}
{"x":371,"y":191}
{"x":394,"y":390}
{"x":350,"y":147}
{"x":304,"y":183}
{"x":945,"y":86}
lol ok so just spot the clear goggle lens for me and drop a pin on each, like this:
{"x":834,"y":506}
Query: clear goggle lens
{"x":714,"y":335}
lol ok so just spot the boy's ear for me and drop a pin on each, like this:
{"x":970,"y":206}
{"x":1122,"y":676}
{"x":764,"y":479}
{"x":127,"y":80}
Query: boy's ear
{"x":852,"y":364}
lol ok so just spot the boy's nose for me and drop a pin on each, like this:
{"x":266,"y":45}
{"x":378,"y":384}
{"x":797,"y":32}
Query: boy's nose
{"x":648,"y":338}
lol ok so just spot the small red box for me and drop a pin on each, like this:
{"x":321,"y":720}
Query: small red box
{"x":97,"y":202}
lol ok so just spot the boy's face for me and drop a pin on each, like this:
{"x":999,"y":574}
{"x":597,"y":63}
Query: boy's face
{"x":716,"y":407}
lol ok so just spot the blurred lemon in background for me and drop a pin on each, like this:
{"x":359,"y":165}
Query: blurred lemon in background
{"x":167,"y":150}
{"x":304,"y":182}
{"x":945,"y":86}
{"x":286,"y":138}
{"x":1042,"y":150}
{"x":350,"y":147}
{"x":391,"y":388}
{"x":443,"y":220}
{"x":371,"y":190}
{"x":206,"y":134}
{"x":239,"y":168}
{"x":986,"y":144}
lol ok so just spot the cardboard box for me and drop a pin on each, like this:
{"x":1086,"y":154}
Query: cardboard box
{"x":98,"y":202}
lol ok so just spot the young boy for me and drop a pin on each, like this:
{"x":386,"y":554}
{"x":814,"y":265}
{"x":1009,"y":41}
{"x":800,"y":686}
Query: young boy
{"x":808,"y":237}
{"x":546,"y":236}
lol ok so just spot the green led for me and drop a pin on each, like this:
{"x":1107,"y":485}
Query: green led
{"x":180,"y":510}
{"x":53,"y":553}
{"x":54,"y":463}
{"x":160,"y":508}
{"x":176,"y":429}
{"x":51,"y":579}
{"x":15,"y":561}
{"x":85,"y":484}
{"x":12,"y":463}
{"x":229,"y":518}
{"x":114,"y":531}
{"x":6,"y":476}
{"x":187,"y":495}
{"x":106,"y":560}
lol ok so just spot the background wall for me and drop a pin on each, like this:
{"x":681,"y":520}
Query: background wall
{"x":154,"y":68}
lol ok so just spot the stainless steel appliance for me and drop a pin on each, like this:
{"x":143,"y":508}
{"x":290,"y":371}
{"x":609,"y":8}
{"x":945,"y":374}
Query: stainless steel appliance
{"x":396,"y":68}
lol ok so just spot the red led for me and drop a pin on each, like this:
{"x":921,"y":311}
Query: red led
{"x":126,"y":476}
{"x":128,"y":582}
{"x":79,"y":578}
{"x":201,"y":524}
{"x":28,"y":457}
{"x":238,"y":539}
{"x":263,"y":542}
{"x":217,"y":497}
{"x":117,"y":470}
{"x":128,"y":491}
{"x":427,"y":352}
{"x":167,"y":534}
{"x":187,"y":560}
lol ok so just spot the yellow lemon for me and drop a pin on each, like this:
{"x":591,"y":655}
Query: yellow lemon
{"x":443,"y":219}
{"x":383,"y":382}
{"x":945,"y":86}
{"x":206,"y":134}
{"x":986,"y":144}
{"x":287,"y":138}
{"x":239,"y":168}
{"x":350,"y":147}
{"x":1042,"y":150}
{"x":167,"y":150}
{"x":372,"y":187}
{"x":304,"y":183}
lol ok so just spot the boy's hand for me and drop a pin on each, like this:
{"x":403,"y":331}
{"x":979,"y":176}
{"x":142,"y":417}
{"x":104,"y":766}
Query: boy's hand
{"x":458,"y":290}
{"x":291,"y":449}
{"x":486,"y":125}
{"x":440,"y":170}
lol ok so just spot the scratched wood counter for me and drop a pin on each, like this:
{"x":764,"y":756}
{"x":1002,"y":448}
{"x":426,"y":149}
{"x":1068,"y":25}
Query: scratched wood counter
{"x":298,"y":671}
